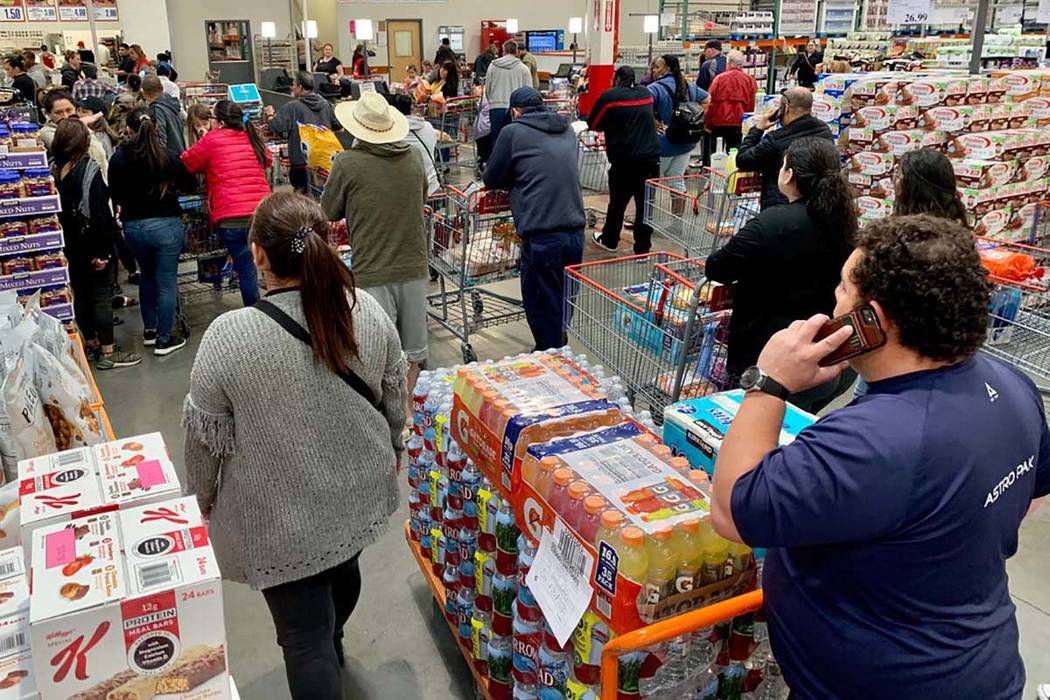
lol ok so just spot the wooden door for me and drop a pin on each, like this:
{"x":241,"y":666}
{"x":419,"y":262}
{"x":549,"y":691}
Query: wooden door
{"x":404,"y":46}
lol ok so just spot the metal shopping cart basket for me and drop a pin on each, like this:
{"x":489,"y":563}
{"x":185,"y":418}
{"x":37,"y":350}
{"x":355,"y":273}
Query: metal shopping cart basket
{"x":455,"y":118}
{"x":593,"y":164}
{"x":700,"y":212}
{"x":473,"y":243}
{"x":656,"y":321}
{"x":1019,"y":317}
{"x":561,"y":105}
{"x":205,"y":268}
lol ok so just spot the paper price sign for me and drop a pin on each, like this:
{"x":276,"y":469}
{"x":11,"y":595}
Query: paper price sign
{"x":560,"y":580}
{"x":909,"y":11}
{"x":12,"y":13}
{"x":1043,"y":16}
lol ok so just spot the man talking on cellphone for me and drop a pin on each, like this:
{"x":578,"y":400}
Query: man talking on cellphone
{"x":889,"y":521}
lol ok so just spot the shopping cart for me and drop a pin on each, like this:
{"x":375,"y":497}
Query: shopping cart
{"x":455,"y":118}
{"x":204,"y":93}
{"x":700,"y":212}
{"x":472,"y":243}
{"x":1019,"y":317}
{"x":593,"y":164}
{"x":1037,"y":229}
{"x":656,"y":321}
{"x":205,"y":268}
{"x":561,"y":105}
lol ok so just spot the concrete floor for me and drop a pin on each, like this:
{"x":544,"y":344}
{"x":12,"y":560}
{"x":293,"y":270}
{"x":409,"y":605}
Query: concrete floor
{"x":398,"y":647}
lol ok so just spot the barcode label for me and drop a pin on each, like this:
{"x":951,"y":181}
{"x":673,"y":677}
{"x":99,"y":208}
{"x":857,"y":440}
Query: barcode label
{"x":154,"y":575}
{"x":604,"y":606}
{"x":9,"y":567}
{"x":571,"y":554}
{"x":66,"y":459}
{"x":13,"y":642}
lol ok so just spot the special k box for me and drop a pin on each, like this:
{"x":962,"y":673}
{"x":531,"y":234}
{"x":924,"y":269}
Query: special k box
{"x":99,"y":634}
{"x":17,"y":679}
{"x":136,"y":470}
{"x":56,"y":488}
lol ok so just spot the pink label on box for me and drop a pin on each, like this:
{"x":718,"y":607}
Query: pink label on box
{"x":150,"y":473}
{"x":60,"y":548}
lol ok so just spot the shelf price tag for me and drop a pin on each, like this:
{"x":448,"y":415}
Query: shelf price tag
{"x":909,"y":11}
{"x":560,"y":580}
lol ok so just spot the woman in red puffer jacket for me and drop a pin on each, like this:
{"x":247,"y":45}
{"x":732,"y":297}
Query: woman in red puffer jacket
{"x":234,"y":161}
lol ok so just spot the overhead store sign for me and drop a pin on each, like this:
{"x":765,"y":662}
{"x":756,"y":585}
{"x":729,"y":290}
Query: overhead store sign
{"x":1008,"y":14}
{"x":1044,"y":12}
{"x":909,"y":11}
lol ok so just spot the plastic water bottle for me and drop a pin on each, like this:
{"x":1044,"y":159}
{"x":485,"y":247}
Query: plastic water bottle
{"x":499,"y":665}
{"x":470,"y":478}
{"x":481,"y":627}
{"x":702,"y":652}
{"x":555,"y":664}
{"x":464,"y":616}
{"x":506,"y":540}
{"x":525,"y":644}
{"x":676,"y":663}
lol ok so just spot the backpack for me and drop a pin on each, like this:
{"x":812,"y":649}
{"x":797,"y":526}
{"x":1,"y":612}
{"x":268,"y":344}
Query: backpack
{"x":687,"y":120}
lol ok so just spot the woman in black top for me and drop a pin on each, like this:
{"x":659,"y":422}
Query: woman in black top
{"x":145,"y":182}
{"x":359,"y":62}
{"x":15,"y":66}
{"x":805,"y":65}
{"x":786,"y":262}
{"x":925,"y":184}
{"x":327,"y":63}
{"x":89,"y":230}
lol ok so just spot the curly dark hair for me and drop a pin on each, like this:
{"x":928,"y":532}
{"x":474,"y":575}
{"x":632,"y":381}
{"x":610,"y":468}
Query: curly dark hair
{"x":925,"y":273}
{"x":926,"y":185}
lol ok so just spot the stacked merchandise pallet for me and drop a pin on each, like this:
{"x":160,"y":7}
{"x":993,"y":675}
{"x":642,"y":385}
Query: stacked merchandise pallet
{"x":530,"y":477}
{"x":112,"y":570}
{"x":991,"y":127}
{"x":31,"y":240}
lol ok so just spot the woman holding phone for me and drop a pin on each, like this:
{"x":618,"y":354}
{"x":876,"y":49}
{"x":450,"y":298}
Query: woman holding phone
{"x":785,"y":262}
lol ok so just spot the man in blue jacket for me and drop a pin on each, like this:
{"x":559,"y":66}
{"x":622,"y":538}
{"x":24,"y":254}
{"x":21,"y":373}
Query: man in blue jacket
{"x":535,"y":158}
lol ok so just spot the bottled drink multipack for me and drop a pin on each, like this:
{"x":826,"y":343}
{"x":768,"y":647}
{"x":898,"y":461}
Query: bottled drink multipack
{"x":502,"y":407}
{"x":642,"y":515}
{"x":695,"y":428}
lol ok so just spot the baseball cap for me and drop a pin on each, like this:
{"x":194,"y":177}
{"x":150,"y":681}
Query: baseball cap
{"x":92,"y":104}
{"x":525,"y":97}
{"x":713,"y":44}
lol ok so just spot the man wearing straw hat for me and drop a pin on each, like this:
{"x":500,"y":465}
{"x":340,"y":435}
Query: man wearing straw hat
{"x":535,"y":158}
{"x":380,"y":187}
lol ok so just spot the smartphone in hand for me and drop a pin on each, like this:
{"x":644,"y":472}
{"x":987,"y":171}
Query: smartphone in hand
{"x":867,"y":335}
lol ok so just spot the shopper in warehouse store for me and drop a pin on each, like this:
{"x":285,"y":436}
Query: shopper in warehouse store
{"x":293,"y":437}
{"x":535,"y":158}
{"x":732,"y":94}
{"x":889,"y":521}
{"x":763,"y":148}
{"x":669,"y":90}
{"x":713,"y":64}
{"x":804,"y":67}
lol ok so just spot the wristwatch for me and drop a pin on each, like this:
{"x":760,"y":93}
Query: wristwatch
{"x":754,"y":379}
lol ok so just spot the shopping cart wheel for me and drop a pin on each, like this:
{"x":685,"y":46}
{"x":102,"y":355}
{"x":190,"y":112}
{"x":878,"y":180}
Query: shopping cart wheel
{"x":468,"y":354}
{"x":476,"y":303}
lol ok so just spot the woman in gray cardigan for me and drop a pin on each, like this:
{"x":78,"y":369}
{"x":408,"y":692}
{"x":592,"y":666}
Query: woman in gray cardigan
{"x":293,"y":441}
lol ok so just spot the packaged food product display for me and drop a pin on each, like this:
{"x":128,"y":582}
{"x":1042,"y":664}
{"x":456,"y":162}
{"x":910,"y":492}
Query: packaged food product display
{"x":17,"y":676}
{"x":615,"y":488}
{"x":135,"y":598}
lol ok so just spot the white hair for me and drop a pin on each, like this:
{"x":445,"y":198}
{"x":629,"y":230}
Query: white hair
{"x":735,"y":57}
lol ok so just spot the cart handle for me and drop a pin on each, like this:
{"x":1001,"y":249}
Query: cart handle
{"x":669,"y":629}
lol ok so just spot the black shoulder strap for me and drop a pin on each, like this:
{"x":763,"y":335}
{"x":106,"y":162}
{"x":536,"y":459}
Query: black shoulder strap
{"x":673,"y":94}
{"x":297,"y":331}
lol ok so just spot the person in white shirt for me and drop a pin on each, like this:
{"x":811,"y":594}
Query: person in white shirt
{"x":170,"y":88}
{"x":422,"y":137}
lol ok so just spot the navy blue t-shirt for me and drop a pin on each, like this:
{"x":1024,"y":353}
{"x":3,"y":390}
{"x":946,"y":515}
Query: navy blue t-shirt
{"x":889,"y":524}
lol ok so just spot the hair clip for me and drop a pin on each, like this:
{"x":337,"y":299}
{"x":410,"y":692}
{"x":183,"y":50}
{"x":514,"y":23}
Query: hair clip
{"x":299,"y":239}
{"x":246,"y":118}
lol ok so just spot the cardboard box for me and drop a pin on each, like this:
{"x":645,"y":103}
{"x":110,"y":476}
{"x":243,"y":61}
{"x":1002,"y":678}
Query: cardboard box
{"x":889,"y":117}
{"x":136,"y":470}
{"x":695,"y":428}
{"x":1021,"y":85}
{"x":981,"y":174}
{"x":1037,"y":111}
{"x":99,"y":634}
{"x":933,"y":91}
{"x":17,"y":677}
{"x":956,"y":119}
{"x":900,"y":142}
{"x":871,"y":163}
{"x":871,"y":208}
{"x":57,"y":488}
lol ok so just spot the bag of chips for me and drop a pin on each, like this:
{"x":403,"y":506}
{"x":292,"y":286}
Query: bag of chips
{"x":320,"y":146}
{"x":29,"y":429}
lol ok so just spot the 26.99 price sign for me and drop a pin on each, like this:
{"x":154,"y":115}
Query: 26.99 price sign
{"x":909,"y":11}
{"x":12,"y":11}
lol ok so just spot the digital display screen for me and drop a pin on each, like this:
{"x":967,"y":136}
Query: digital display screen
{"x":545,"y":41}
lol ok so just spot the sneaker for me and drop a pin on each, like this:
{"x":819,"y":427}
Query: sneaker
{"x":133,"y":278}
{"x":149,"y":338}
{"x":118,"y":359}
{"x":166,"y":347}
{"x":629,"y":225}
{"x":596,"y":238}
{"x":1044,"y":691}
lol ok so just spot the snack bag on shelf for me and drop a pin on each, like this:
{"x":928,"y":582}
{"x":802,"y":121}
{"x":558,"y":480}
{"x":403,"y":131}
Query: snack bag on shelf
{"x":695,"y":428}
{"x":66,"y":398}
{"x":24,"y":420}
{"x":502,"y":407}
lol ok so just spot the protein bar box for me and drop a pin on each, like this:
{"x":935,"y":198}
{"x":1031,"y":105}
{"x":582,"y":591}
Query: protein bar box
{"x":136,"y":470}
{"x":129,"y":612}
{"x":56,"y":488}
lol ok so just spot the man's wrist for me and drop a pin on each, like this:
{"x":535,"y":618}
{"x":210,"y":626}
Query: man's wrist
{"x":755,"y":379}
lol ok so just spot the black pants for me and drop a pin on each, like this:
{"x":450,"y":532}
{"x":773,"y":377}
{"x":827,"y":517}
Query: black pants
{"x":93,"y":299}
{"x":544,"y":257}
{"x":309,"y":615}
{"x":299,"y":179}
{"x":731,"y":137}
{"x":627,"y":181}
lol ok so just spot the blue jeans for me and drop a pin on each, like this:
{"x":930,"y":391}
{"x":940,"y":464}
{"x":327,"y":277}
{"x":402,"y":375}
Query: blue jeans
{"x":544,"y":257}
{"x":157,"y":244}
{"x":236,"y":240}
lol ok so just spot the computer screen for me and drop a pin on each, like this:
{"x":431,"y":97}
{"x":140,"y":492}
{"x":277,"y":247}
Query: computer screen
{"x":545,"y":40}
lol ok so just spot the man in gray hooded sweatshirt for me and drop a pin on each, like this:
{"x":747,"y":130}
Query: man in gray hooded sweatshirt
{"x":505,"y":75}
{"x":308,"y":108}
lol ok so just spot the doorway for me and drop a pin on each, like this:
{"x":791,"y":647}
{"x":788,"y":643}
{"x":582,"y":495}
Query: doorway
{"x":404,"y":41}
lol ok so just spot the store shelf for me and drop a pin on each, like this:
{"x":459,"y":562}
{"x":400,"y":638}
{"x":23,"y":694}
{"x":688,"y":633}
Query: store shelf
{"x":38,"y":278}
{"x":34,"y":243}
{"x":437,"y":588}
{"x":29,"y":206}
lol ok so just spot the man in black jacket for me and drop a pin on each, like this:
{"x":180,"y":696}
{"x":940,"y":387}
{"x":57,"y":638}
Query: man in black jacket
{"x":167,"y":112}
{"x":307,"y":108}
{"x":624,"y":113}
{"x":763,"y":151}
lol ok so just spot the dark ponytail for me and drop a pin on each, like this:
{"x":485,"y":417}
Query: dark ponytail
{"x":293,"y":231}
{"x":828,"y":195}
{"x":681,"y":86}
{"x":145,"y":148}
{"x":232,"y":116}
{"x":927,"y":186}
